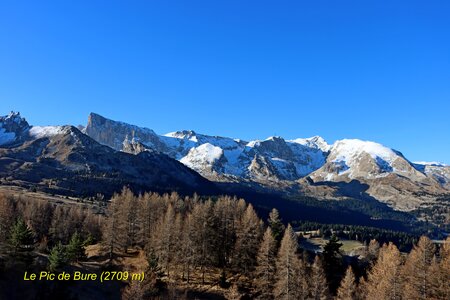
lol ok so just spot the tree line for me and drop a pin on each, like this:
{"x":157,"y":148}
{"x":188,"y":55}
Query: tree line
{"x":221,"y":241}
{"x":403,"y":240}
{"x":225,"y":237}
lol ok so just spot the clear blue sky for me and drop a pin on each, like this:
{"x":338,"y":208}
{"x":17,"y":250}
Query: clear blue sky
{"x":374,"y":70}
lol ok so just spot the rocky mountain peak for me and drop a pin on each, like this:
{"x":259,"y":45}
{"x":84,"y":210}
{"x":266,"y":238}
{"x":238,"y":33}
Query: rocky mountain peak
{"x":184,"y":134}
{"x":12,"y":128}
{"x":113,"y":133}
{"x":133,"y":146}
{"x":316,"y":142}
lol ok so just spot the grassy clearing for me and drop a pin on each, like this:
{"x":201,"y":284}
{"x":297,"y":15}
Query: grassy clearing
{"x":316,"y":245}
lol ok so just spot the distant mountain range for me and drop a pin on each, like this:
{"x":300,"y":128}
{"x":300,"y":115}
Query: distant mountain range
{"x":309,"y":166}
{"x":106,"y":155}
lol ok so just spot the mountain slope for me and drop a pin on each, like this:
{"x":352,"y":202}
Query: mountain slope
{"x":390,"y":176}
{"x":64,"y":160}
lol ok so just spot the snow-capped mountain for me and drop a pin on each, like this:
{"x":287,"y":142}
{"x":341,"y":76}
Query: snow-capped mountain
{"x":275,"y":162}
{"x":219,"y":158}
{"x":354,"y":159}
{"x":12,"y":128}
{"x":307,"y":166}
{"x":62,"y":159}
{"x":389,"y":176}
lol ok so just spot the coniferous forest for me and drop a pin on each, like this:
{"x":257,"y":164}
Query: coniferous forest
{"x":195,"y":248}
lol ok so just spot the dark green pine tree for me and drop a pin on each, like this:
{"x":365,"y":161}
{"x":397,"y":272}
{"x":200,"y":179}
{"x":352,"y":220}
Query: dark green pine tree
{"x":276,"y":225}
{"x":332,"y":259}
{"x":76,"y":250}
{"x":153,"y":265}
{"x":21,"y":237}
{"x":152,"y":284}
{"x":57,"y":258}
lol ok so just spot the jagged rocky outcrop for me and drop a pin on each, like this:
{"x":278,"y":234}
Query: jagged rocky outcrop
{"x":12,"y":128}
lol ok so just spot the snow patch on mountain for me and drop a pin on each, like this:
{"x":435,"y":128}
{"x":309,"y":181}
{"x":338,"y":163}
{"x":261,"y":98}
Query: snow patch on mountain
{"x":6,"y":137}
{"x":205,"y":154}
{"x":12,"y":128}
{"x":348,"y":154}
{"x":316,"y":142}
{"x":353,"y":158}
{"x":430,"y":163}
{"x":349,"y":149}
{"x":45,"y":131}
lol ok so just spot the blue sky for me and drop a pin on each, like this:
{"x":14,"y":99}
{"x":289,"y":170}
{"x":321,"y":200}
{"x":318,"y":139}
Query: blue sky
{"x":374,"y":70}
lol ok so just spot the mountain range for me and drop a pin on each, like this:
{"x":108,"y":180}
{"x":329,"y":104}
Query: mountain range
{"x":308,"y":166}
{"x":63,"y":160}
{"x":106,"y":155}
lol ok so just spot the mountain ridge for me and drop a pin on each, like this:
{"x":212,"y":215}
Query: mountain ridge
{"x":287,"y":164}
{"x":62,"y":159}
{"x":302,"y":166}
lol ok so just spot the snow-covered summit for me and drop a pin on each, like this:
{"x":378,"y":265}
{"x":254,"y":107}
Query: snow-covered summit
{"x":313,"y":142}
{"x":184,"y":134}
{"x":349,"y":150}
{"x":45,"y":131}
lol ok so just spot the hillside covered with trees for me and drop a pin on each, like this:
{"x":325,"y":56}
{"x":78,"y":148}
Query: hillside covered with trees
{"x":192,"y":248}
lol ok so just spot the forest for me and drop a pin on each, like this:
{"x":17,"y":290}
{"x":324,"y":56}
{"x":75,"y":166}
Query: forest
{"x":193,"y":248}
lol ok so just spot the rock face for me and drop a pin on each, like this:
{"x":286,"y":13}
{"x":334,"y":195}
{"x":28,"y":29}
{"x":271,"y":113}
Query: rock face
{"x":113,"y":134}
{"x":219,"y":158}
{"x":308,"y":165}
{"x":63,"y":160}
{"x":12,"y":128}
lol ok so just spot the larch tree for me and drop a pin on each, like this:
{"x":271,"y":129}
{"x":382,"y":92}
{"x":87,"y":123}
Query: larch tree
{"x":6,"y":217}
{"x":39,"y":214}
{"x":317,"y":281}
{"x":384,"y":280}
{"x":372,"y":251}
{"x":438,"y":287}
{"x":440,"y":271}
{"x":114,"y":232}
{"x":266,"y":266}
{"x":418,"y":279}
{"x":248,"y":240}
{"x":445,"y":266}
{"x":177,"y":236}
{"x":130,"y":218}
{"x":201,"y":246}
{"x":65,"y":222}
{"x":224,"y":237}
{"x":150,"y":211}
{"x":187,"y":248}
{"x":347,"y":289}
{"x":288,"y":268}
{"x":166,"y":242}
